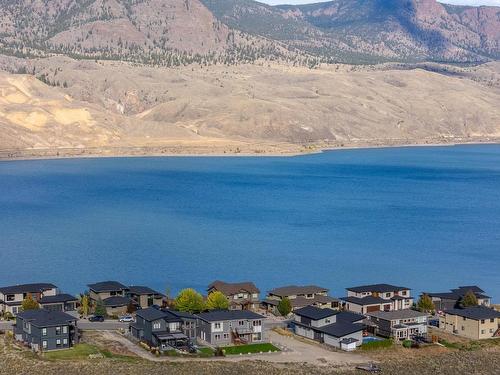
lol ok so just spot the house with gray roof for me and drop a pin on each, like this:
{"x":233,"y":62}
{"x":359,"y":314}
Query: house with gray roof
{"x":113,"y":294}
{"x":452,"y":299}
{"x":45,"y":330}
{"x":59,"y":302}
{"x":300,"y":296}
{"x":230,"y":327}
{"x":11,"y":297}
{"x":340,"y":329}
{"x":241,"y":296}
{"x":144,"y":296}
{"x":398,"y":324}
{"x":377,"y":297}
{"x":163,"y":328}
{"x":476,"y":323}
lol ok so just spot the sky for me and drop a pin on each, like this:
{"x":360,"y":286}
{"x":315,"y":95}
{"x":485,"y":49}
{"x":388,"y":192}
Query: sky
{"x":458,"y":2}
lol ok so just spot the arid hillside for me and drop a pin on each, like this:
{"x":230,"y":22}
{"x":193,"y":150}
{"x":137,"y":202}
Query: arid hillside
{"x":249,"y":108}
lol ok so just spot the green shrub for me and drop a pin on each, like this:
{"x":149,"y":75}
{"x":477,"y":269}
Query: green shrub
{"x":407,"y":343}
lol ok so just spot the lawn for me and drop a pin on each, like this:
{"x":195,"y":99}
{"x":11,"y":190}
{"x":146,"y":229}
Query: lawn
{"x":206,"y":352}
{"x":379,"y":344}
{"x":82,"y":351}
{"x":251,"y":348}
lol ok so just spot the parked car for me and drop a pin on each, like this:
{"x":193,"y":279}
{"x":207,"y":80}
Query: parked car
{"x":126,"y":319}
{"x":96,"y":318}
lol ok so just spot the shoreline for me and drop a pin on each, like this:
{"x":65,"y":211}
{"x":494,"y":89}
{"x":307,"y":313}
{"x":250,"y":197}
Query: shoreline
{"x":274,"y":150}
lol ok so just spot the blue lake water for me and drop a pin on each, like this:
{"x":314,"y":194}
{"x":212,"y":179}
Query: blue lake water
{"x":427,"y":218}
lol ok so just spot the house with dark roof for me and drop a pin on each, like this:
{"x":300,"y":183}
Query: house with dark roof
{"x":377,"y":297}
{"x":113,"y":294}
{"x":398,"y":324}
{"x":452,"y":299}
{"x":11,"y":297}
{"x":477,"y":323}
{"x":340,"y":329}
{"x":300,"y":296}
{"x":241,"y":296}
{"x":144,"y":296}
{"x":45,"y":330}
{"x":229,"y":327}
{"x":162,"y":328}
{"x":59,"y":302}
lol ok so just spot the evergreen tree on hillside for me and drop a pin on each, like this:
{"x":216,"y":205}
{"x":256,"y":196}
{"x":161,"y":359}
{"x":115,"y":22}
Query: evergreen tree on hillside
{"x":285,"y":307}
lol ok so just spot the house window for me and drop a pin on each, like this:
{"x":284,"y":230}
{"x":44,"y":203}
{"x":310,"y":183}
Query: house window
{"x":44,"y":331}
{"x":217,"y":337}
{"x":15,"y":310}
{"x":482,"y":321}
{"x":492,"y":320}
{"x":156,"y":325}
{"x":65,"y":329}
{"x":327,"y":321}
{"x":65,"y":341}
{"x":257,"y":323}
{"x":463,"y":328}
{"x":217,"y":325}
{"x":491,"y":330}
{"x":482,"y":332}
{"x":310,"y":295}
{"x":255,"y":295}
{"x":44,"y":344}
{"x":388,"y":295}
{"x":241,"y":323}
{"x":10,"y":297}
{"x":226,"y":336}
{"x":58,"y":342}
{"x":464,"y":318}
{"x":58,"y":330}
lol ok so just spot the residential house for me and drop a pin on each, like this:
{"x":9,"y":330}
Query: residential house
{"x":59,"y":302}
{"x":476,"y":323}
{"x":399,"y":324}
{"x":45,"y":330}
{"x":11,"y":297}
{"x":377,"y":297}
{"x":114,"y":295}
{"x":450,"y":300}
{"x":160,"y":328}
{"x":340,"y":329}
{"x":241,"y":296}
{"x":300,"y":296}
{"x":189,"y":323}
{"x":145,"y":297}
{"x":227,"y":327}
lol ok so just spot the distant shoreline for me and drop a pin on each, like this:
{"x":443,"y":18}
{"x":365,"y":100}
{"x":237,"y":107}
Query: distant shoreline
{"x":229,"y":150}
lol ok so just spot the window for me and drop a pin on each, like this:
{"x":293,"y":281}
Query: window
{"x":464,"y":318}
{"x":44,"y":344}
{"x":65,"y":341}
{"x":217,"y":337}
{"x":255,"y":295}
{"x":310,"y":295}
{"x":241,"y":323}
{"x":257,"y":323}
{"x":463,"y":328}
{"x":44,"y":331}
{"x":482,"y":332}
{"x":226,"y":336}
{"x":217,"y":325}
{"x":15,"y":310}
{"x":388,"y":295}
{"x":156,"y":325}
{"x":482,"y":321}
{"x":491,"y":330}
{"x":65,"y":329}
{"x":58,"y":342}
{"x":327,"y":321}
{"x":10,"y":297}
{"x":58,"y":330}
{"x":492,"y":320}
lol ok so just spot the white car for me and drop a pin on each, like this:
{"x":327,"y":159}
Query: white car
{"x":126,"y":319}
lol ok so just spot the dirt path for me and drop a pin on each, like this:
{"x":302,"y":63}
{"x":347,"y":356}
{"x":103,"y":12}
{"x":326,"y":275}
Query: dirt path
{"x":292,"y":351}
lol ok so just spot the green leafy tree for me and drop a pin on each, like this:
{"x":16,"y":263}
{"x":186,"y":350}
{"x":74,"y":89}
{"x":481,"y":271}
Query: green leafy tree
{"x":217,"y":301}
{"x":469,"y":299}
{"x":29,"y":304}
{"x":425,"y":304}
{"x":100,"y":309}
{"x":189,"y":300}
{"x":84,"y":305}
{"x":285,"y":306}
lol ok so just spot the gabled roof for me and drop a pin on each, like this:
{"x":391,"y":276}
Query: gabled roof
{"x":229,"y":289}
{"x":456,"y":294}
{"x":222,"y":315}
{"x":473,"y":288}
{"x":315,"y":313}
{"x":107,"y":286}
{"x":46,"y":318}
{"x":27,"y":288}
{"x":293,"y":290}
{"x":182,"y":314}
{"x":380,"y":288}
{"x":475,"y":313}
{"x":368,"y":300}
{"x":116,"y":301}
{"x":341,"y":329}
{"x":143,"y":290}
{"x":151,"y":313}
{"x":397,"y":314}
{"x":349,"y":317}
{"x":58,"y":298}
